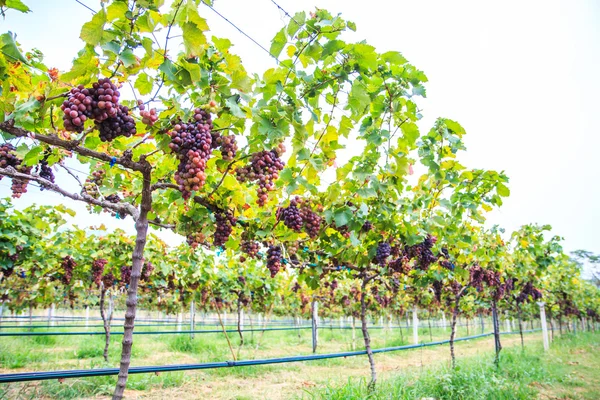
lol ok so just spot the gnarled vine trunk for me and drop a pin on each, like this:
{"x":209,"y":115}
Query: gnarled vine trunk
{"x":141,"y":228}
{"x":496,"y":326}
{"x":365,"y":332}
{"x":453,"y":330}
{"x":239,"y":320}
{"x":106,"y":321}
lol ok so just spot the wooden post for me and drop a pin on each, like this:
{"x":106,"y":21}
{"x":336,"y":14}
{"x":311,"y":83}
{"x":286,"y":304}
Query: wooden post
{"x":315,"y":331}
{"x":544,"y":326}
{"x":415,"y":326}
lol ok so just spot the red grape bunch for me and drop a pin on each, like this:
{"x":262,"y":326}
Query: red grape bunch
{"x":264,"y":168}
{"x":225,"y":221}
{"x":274,"y":260}
{"x":67,"y":265}
{"x":7,"y":157}
{"x":19,"y":185}
{"x":99,"y":103}
{"x":44,"y":171}
{"x":312,"y":221}
{"x":250,"y":248}
{"x":147,"y":270}
{"x":108,"y":280}
{"x":228,"y":147}
{"x":149,"y":117}
{"x":125,"y":275}
{"x":196,"y":238}
{"x":98,"y":269}
{"x":192,"y":144}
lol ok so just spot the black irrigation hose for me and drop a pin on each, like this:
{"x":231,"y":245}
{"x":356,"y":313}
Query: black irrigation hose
{"x":45,"y":375}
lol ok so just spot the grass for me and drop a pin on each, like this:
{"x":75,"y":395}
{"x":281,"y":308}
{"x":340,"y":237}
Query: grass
{"x":320,"y":379}
{"x":571,"y":370}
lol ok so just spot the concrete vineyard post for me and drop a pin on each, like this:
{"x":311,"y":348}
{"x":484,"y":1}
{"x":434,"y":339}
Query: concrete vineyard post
{"x":315,"y":331}
{"x":444,"y":322}
{"x":179,"y":320}
{"x":544,"y":326}
{"x":192,"y":318}
{"x":415,"y":326}
{"x":87,"y":316}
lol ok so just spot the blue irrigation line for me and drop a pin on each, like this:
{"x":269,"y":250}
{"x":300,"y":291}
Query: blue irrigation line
{"x":183,"y":331}
{"x":45,"y":375}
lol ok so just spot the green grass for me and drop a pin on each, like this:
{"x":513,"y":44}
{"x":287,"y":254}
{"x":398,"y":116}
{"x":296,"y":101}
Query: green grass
{"x":521,"y":375}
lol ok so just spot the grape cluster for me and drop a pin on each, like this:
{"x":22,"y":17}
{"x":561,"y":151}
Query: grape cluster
{"x":121,"y":124}
{"x":401,"y":265}
{"x":437,"y":290}
{"x":383,"y":252}
{"x":100,"y":102}
{"x":108,"y":280}
{"x":15,"y":256}
{"x":228,"y":147}
{"x":44,"y":171}
{"x":343,"y":230}
{"x":147,"y":270}
{"x":476,"y":277}
{"x":192,"y":144}
{"x":367,"y":226}
{"x":93,"y":182}
{"x":312,"y":221}
{"x":291,"y":216}
{"x":195,"y":239}
{"x":7,"y":157}
{"x":529,"y":291}
{"x":422,"y":253}
{"x":67,"y":265}
{"x":250,"y":248}
{"x":149,"y":117}
{"x":264,"y":168}
{"x":98,"y":269}
{"x":125,"y":275}
{"x":296,"y":287}
{"x":113,"y":198}
{"x":225,"y":221}
{"x":19,"y":185}
{"x":274,"y":260}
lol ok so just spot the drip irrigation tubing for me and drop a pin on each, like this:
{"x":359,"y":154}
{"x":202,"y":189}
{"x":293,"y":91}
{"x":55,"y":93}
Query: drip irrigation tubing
{"x":45,"y":375}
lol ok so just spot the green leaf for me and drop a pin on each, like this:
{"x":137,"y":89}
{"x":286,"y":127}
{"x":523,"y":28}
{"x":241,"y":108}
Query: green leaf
{"x":91,"y":32}
{"x":10,"y":49}
{"x":15,"y":5}
{"x":116,"y":10}
{"x":232,"y":104}
{"x":193,"y":39}
{"x":358,"y":99}
{"x":143,"y":84}
{"x":502,"y":190}
{"x":128,"y":58}
{"x":342,"y":216}
{"x":278,"y":43}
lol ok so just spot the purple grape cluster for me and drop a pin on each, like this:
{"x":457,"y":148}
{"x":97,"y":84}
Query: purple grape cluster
{"x":291,"y":216}
{"x":225,"y":222}
{"x":250,"y":248}
{"x":274,"y":260}
{"x":264,"y":168}
{"x":98,"y":266}
{"x":312,"y":221}
{"x":228,"y":147}
{"x":147,"y":270}
{"x":192,"y":143}
{"x":121,"y":124}
{"x":367,"y":226}
{"x":7,"y":157}
{"x":125,"y":275}
{"x":19,"y":185}
{"x":384,"y":250}
{"x":68,"y":264}
{"x":108,"y":280}
{"x":100,"y":102}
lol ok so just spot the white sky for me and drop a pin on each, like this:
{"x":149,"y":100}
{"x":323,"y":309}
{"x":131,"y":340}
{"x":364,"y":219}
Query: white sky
{"x":522,"y":77}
